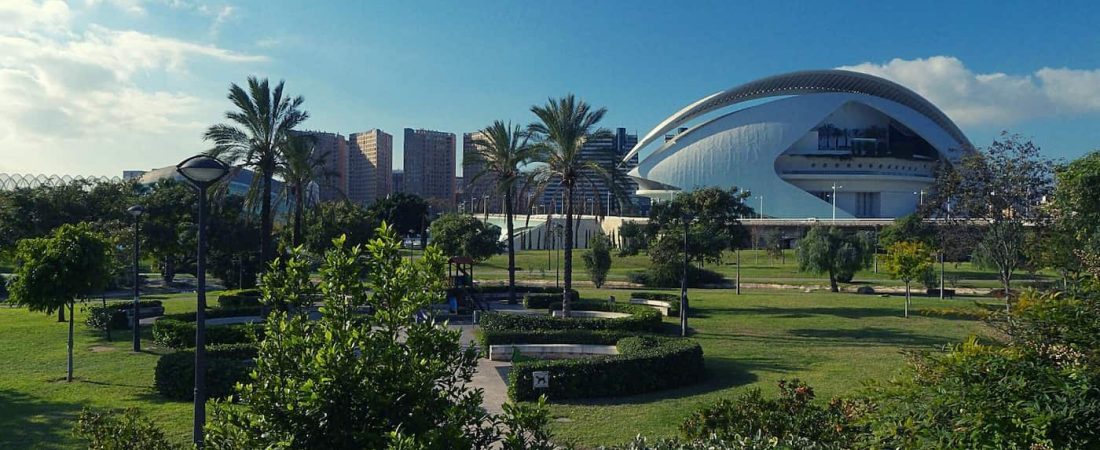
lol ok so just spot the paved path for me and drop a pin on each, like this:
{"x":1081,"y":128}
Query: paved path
{"x":491,"y":376}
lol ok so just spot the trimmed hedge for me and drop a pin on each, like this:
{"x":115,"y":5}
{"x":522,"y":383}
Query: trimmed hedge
{"x":117,"y":312}
{"x":178,"y":330}
{"x":641,"y":318}
{"x":673,"y":300}
{"x":543,"y":301}
{"x":226,"y":365}
{"x":644,"y":364}
{"x":240,"y":298}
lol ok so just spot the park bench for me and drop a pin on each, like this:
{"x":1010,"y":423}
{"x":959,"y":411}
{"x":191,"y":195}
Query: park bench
{"x":662,"y":306}
{"x":144,"y":313}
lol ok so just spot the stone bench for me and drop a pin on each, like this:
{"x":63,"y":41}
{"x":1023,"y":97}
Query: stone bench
{"x":144,"y":313}
{"x":662,"y":306}
{"x":591,"y":314}
{"x":549,"y":351}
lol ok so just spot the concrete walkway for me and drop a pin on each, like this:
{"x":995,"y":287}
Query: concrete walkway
{"x":491,"y":376}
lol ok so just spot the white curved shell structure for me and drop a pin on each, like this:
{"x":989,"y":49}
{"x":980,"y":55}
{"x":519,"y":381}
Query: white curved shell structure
{"x":877,"y":142}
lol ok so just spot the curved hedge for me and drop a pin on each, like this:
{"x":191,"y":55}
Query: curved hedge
{"x":673,"y":300}
{"x":226,"y":365}
{"x":642,"y":318}
{"x":644,"y":364}
{"x":239,"y":298}
{"x":178,"y":330}
{"x":544,"y":300}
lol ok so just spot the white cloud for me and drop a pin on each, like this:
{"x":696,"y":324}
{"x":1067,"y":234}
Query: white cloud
{"x":50,"y":15}
{"x":997,"y":99}
{"x":74,"y":101}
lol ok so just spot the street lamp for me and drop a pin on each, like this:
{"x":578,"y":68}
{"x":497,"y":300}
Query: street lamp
{"x":202,"y":172}
{"x":686,"y":219}
{"x":921,"y":193}
{"x":137,"y":211}
{"x":761,"y":206}
{"x":835,"y":187}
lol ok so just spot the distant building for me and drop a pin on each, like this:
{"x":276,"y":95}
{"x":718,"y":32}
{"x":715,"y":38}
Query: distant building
{"x":333,"y":148}
{"x":430,"y":166}
{"x":593,"y":198}
{"x":399,"y":180}
{"x":370,"y":156}
{"x":240,"y":181}
{"x":476,"y":186}
{"x":128,"y":175}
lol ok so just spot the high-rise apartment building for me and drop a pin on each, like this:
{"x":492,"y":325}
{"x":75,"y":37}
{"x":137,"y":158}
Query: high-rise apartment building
{"x":332,"y":149}
{"x":398,"y":180}
{"x":370,"y":161}
{"x":430,"y":166}
{"x":608,"y":153}
{"x":476,"y":186}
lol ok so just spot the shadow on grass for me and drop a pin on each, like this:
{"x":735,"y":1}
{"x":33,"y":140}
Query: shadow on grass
{"x":797,"y":313}
{"x":722,"y":373}
{"x":859,"y":337}
{"x":29,"y":421}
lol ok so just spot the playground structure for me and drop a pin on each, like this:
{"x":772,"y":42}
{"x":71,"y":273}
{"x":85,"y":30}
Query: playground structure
{"x":461,"y":295}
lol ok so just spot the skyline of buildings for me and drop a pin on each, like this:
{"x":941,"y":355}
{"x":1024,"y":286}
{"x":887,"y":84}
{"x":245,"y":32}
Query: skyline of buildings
{"x":370,"y":157}
{"x":430,"y":166}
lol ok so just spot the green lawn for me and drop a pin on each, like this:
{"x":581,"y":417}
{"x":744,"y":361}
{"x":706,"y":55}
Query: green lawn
{"x":756,"y":267}
{"x":831,"y":340}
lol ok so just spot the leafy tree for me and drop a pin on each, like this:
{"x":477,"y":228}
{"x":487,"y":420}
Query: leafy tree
{"x":908,"y":228}
{"x":120,"y":430}
{"x":167,"y":226}
{"x":233,"y":234}
{"x":501,"y":151}
{"x":257,"y":136}
{"x":830,"y":250}
{"x":1076,"y":208}
{"x":405,"y":212}
{"x":464,"y":235}
{"x":52,"y":272}
{"x":1002,"y":187}
{"x":908,"y":261}
{"x":352,"y":381}
{"x":633,"y":238}
{"x":331,"y":220}
{"x":773,"y":243}
{"x":564,"y":126}
{"x":597,"y":258}
{"x":301,"y":167}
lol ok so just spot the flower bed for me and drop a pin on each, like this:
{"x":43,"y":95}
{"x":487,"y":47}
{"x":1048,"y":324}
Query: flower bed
{"x":178,"y":330}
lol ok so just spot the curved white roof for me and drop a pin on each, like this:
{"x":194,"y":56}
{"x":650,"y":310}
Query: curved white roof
{"x":805,"y":82}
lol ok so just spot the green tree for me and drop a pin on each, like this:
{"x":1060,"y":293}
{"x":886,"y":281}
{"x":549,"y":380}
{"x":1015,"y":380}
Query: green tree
{"x":331,"y":220}
{"x":564,"y":126}
{"x":1076,"y":211}
{"x":301,"y":167}
{"x":773,"y":243}
{"x":256,"y":137}
{"x":633,"y":237}
{"x":346,"y":380}
{"x":908,"y":261}
{"x":830,"y":250}
{"x":464,"y":235}
{"x":714,"y":228}
{"x":234,"y":234}
{"x":597,"y":258}
{"x":908,"y":228}
{"x":53,"y":272}
{"x":166,"y":226}
{"x":501,"y":150}
{"x":404,"y":212}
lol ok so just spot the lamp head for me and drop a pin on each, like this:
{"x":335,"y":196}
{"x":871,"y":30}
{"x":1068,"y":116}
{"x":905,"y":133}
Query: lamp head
{"x":136,"y":210}
{"x":202,"y":170}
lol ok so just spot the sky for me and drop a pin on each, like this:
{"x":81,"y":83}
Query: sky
{"x":93,"y":87}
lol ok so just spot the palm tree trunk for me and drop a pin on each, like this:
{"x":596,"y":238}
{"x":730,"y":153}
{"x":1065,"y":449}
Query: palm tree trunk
{"x":265,"y":218}
{"x":567,"y":270}
{"x":511,"y":247}
{"x":299,"y":198}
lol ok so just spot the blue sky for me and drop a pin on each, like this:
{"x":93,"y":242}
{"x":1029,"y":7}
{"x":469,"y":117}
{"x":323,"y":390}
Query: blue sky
{"x":98,"y":86}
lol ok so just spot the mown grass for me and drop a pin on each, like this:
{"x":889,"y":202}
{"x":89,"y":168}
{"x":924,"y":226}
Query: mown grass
{"x":833,"y":341}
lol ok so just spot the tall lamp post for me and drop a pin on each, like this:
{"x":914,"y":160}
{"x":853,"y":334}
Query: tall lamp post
{"x":202,"y":172}
{"x":137,"y":211}
{"x":835,"y":187}
{"x":686,"y":219}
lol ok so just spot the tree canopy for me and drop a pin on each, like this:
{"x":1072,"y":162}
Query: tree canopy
{"x":465,"y":235}
{"x":832,"y":251}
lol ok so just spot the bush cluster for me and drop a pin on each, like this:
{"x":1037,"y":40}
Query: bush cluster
{"x":669,"y":276}
{"x":645,"y":364}
{"x":641,"y":319}
{"x":240,"y":298}
{"x":543,"y":301}
{"x":113,"y":315}
{"x":178,"y":330}
{"x":226,"y":365}
{"x":119,"y":430}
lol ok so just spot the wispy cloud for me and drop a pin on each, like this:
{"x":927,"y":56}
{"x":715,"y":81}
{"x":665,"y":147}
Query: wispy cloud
{"x":996,"y":98}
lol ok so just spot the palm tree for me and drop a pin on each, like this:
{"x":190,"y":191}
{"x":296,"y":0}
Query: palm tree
{"x":299,"y":168}
{"x":564,"y":126}
{"x":256,"y":137}
{"x":501,"y":149}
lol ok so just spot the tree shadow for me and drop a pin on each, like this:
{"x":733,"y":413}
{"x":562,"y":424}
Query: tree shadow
{"x":891,"y":336}
{"x":29,"y":421}
{"x":798,"y":313}
{"x":722,"y":373}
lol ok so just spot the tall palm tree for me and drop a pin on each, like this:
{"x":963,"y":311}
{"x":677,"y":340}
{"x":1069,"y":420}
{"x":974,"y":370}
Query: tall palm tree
{"x":564,"y":126}
{"x":255,"y":137}
{"x":501,"y":149}
{"x":300,"y":167}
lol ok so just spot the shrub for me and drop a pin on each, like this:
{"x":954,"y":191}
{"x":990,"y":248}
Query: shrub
{"x":792,"y":415}
{"x":597,"y":258}
{"x":641,"y":319}
{"x":226,"y":365}
{"x":543,"y":301}
{"x":120,"y":430}
{"x":755,"y":442}
{"x":113,"y":315}
{"x":239,"y":298}
{"x":670,"y":275}
{"x":178,"y":330}
{"x":669,"y":364}
{"x":955,"y":313}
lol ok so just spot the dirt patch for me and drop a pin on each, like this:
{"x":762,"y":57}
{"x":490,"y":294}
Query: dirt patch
{"x":101,"y":349}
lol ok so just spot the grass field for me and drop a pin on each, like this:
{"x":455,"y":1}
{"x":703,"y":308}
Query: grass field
{"x":756,"y":267}
{"x":833,"y":341}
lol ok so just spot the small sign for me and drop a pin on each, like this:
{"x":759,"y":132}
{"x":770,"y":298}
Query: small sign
{"x":542,"y":379}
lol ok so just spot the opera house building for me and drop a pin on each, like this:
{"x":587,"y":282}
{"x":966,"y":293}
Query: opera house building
{"x":793,"y":140}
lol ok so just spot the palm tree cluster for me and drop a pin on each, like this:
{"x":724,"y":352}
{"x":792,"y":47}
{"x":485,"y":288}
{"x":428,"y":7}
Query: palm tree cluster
{"x":550,"y":150}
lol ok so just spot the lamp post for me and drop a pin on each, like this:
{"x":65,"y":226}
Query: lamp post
{"x":137,"y":211}
{"x":761,"y":206}
{"x":202,"y":172}
{"x":686,"y":219}
{"x":921,"y":193}
{"x":835,"y":187}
